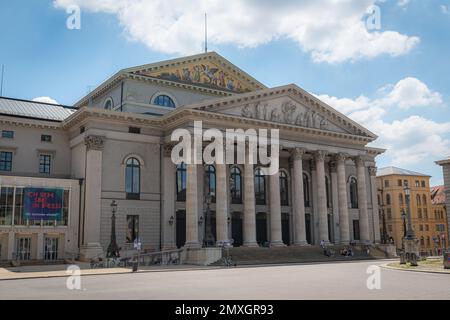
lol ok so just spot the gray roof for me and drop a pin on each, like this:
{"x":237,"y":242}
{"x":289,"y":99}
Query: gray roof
{"x":387,"y":171}
{"x":35,"y":110}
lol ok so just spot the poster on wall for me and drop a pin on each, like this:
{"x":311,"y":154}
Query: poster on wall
{"x":43,"y":204}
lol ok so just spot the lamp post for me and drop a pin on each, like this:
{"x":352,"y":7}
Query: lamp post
{"x":113,"y":248}
{"x":410,"y":242}
{"x":208,"y":239}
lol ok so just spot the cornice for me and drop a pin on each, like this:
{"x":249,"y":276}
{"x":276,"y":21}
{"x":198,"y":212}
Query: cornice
{"x":30,"y":123}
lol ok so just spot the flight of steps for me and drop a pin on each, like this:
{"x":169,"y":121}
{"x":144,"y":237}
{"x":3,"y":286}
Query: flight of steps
{"x":294,"y":254}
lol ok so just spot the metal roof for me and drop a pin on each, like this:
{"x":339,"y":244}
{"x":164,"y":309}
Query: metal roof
{"x":387,"y":171}
{"x":35,"y":110}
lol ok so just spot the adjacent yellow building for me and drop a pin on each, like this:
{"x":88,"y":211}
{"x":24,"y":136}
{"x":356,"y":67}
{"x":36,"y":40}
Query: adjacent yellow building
{"x":429,"y":227}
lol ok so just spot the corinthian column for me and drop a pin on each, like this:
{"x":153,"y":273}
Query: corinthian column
{"x":321,"y":196}
{"x":362,"y":200}
{"x":344,"y":227}
{"x":191,"y":207}
{"x":221,"y":204}
{"x":299,"y":201}
{"x":249,"y":207}
{"x":91,"y":234}
{"x":275,"y":211}
{"x":375,"y":217}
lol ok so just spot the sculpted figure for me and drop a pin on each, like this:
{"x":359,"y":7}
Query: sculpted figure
{"x":246,"y":112}
{"x":288,"y":109}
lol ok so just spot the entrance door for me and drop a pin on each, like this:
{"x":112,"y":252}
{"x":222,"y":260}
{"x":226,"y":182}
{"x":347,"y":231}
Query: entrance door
{"x":23,"y":248}
{"x":181,"y":228}
{"x":330,"y":228}
{"x":236,"y":229}
{"x":51,"y":248}
{"x":285,"y":228}
{"x":356,"y":235}
{"x":261,"y":228}
{"x":308,"y":227}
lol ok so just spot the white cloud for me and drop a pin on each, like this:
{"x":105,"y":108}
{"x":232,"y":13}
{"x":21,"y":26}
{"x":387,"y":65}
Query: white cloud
{"x":403,"y":3}
{"x":410,"y":140}
{"x":331,"y":31}
{"x":444,"y":9}
{"x":45,"y":100}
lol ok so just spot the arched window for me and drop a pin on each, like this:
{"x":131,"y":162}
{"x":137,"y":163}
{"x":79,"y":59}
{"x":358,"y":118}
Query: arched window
{"x":181,"y":182}
{"x":388,"y":199}
{"x":328,"y":192}
{"x":109,"y":104}
{"x":306,"y":195}
{"x":236,"y":185}
{"x":132,"y":178}
{"x":164,"y":101}
{"x":284,"y":189}
{"x":400,"y":199}
{"x":210,"y":182}
{"x":424,"y":200}
{"x":353,"y":193}
{"x":418,"y":200}
{"x":378,"y":199}
{"x":260,"y":187}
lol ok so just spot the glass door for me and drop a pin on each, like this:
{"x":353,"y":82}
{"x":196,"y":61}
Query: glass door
{"x":51,"y":249}
{"x":23,"y":248}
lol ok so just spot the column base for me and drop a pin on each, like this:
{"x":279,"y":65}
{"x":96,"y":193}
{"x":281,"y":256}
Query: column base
{"x":277,"y":243}
{"x":344,"y":242}
{"x":192,"y":245}
{"x":169,"y":247}
{"x":252,"y":244}
{"x":90,"y":251}
{"x":301,"y":243}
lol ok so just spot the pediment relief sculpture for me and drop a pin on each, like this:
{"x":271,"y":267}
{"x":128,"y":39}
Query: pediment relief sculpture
{"x":289,"y":113}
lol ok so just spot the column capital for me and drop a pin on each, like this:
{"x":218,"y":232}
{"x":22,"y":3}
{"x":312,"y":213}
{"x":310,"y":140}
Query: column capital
{"x":341,"y":157}
{"x":320,"y":155}
{"x":373,"y":171}
{"x":297,"y":153}
{"x":94,"y":142}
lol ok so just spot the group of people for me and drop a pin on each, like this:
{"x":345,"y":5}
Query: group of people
{"x":347,"y":252}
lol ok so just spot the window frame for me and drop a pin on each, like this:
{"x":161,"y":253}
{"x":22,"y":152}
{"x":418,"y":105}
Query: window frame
{"x":167,"y":102}
{"x":45,"y":164}
{"x":5,"y":163}
{"x":236,"y":187}
{"x":260,"y":193}
{"x":132,"y":194}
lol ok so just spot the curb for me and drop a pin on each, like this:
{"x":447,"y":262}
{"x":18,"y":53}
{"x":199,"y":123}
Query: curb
{"x":386,"y":266}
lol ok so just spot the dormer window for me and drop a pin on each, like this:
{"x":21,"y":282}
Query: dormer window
{"x":164,"y":101}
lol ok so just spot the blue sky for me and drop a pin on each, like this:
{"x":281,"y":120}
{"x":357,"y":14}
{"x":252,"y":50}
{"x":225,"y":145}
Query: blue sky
{"x":394,"y":80}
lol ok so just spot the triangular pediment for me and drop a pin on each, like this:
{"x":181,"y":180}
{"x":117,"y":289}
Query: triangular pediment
{"x":288,"y":105}
{"x":206,"y":70}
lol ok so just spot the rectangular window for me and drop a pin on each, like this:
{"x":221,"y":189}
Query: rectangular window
{"x":18,"y":210}
{"x":23,"y":248}
{"x":422,"y":184}
{"x":132,"y":228}
{"x":51,"y":248}
{"x":405,"y":183}
{"x":44,"y":163}
{"x":134,"y":130}
{"x":7,"y":134}
{"x":399,"y":182}
{"x":417,"y":183}
{"x":386,"y":183}
{"x":389,"y":213}
{"x":46,"y":138}
{"x":5,"y":161}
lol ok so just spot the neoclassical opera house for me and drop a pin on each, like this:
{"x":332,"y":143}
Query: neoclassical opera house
{"x":114,"y":144}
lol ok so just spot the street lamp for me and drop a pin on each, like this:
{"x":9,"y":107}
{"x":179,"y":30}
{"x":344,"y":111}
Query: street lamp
{"x":113,"y":248}
{"x":410,"y":232}
{"x":410,"y":242}
{"x":404,"y":222}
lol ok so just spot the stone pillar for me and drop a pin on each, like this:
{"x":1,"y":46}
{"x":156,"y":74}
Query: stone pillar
{"x":375,"y":210}
{"x":298,"y":199}
{"x":40,"y":246}
{"x":192,"y":207}
{"x":362,"y":200}
{"x":221,"y":204}
{"x":321,"y":196}
{"x":168,"y":198}
{"x":276,"y":238}
{"x":91,"y":247}
{"x":344,"y":228}
{"x":249,"y":227}
{"x":334,"y":202}
{"x":445,"y":164}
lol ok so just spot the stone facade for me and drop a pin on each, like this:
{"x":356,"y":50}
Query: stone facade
{"x":96,"y":148}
